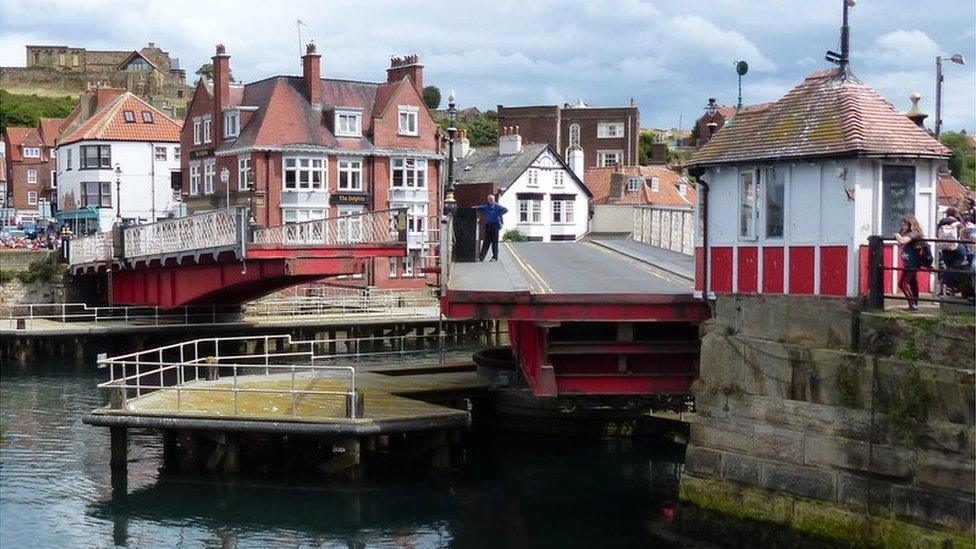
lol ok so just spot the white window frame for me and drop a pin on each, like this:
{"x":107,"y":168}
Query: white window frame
{"x":352,"y":168}
{"x":32,"y":176}
{"x":232,"y":126}
{"x":655,"y":184}
{"x":536,"y":210}
{"x":408,"y":120}
{"x":314,"y":165}
{"x":31,"y":152}
{"x":348,"y":123}
{"x":601,"y":158}
{"x":176,"y":153}
{"x":415,"y":168}
{"x":610,"y":130}
{"x":53,"y":182}
{"x":156,"y":153}
{"x":243,"y":171}
{"x":559,"y":179}
{"x":394,"y":265}
{"x":533,"y":178}
{"x":634,"y":184}
{"x":69,"y":159}
{"x":32,"y":198}
{"x":574,"y":135}
{"x":197,"y":125}
{"x":748,"y":202}
{"x":194,"y":178}
{"x":562,"y":212}
{"x":523,"y":205}
{"x":209,"y":176}
{"x":408,"y":265}
{"x":206,"y":129}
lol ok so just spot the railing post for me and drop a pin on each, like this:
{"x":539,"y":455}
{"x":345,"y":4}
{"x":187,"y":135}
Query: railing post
{"x":875,"y":273}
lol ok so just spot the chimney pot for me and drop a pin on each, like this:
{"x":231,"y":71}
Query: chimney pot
{"x":311,"y":74}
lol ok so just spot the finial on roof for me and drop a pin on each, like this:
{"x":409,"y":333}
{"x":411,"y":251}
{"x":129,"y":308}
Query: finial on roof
{"x":915,"y":114}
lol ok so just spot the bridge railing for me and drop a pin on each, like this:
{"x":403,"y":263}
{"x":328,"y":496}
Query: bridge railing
{"x":376,"y":227}
{"x":668,"y":227}
{"x":96,"y":248}
{"x":217,"y":230}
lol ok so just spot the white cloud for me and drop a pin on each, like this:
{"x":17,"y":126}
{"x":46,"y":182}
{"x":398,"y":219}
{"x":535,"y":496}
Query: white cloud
{"x":904,"y":48}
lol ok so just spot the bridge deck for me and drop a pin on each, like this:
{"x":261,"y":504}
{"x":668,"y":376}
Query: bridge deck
{"x":574,"y":281}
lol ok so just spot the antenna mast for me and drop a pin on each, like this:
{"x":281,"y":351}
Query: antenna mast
{"x":843,"y":59}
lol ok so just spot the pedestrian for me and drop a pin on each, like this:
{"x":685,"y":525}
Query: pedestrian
{"x":911,"y":259}
{"x":968,"y":213}
{"x":950,"y":255}
{"x":492,"y":212}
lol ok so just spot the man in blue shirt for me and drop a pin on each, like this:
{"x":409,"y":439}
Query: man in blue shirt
{"x":493,"y":213}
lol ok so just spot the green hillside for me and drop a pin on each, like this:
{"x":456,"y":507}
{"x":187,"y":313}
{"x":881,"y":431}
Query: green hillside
{"x":26,"y":110}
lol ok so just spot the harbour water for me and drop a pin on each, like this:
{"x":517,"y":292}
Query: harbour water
{"x":510,"y":491}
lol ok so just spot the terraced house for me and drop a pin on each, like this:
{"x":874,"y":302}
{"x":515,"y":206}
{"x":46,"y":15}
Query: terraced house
{"x":30,"y":166}
{"x":299,"y":148}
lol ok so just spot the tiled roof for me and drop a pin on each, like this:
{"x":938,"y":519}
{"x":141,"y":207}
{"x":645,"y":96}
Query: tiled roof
{"x":609,"y":186}
{"x":108,"y":124}
{"x":485,"y":165}
{"x":50,"y":128}
{"x":829,"y":114}
{"x":950,"y":191}
{"x":15,"y":137}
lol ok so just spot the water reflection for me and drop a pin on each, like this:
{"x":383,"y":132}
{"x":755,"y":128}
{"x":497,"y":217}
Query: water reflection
{"x":512,"y":491}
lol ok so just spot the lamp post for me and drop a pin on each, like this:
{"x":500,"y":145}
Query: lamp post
{"x":225,"y":181}
{"x":957,"y":59}
{"x":450,"y":205}
{"x":118,"y":194}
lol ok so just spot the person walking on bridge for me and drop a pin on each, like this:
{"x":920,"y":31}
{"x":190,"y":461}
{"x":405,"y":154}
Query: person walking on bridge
{"x":492,"y":212}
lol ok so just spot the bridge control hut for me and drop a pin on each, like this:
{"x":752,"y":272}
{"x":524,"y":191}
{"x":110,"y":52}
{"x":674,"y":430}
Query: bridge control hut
{"x":795,"y":187}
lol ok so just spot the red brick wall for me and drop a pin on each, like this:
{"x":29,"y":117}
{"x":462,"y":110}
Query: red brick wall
{"x":536,"y":124}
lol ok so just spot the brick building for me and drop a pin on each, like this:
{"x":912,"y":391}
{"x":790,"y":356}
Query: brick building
{"x":607,"y":135}
{"x":297,"y":148}
{"x":31,"y":184}
{"x":148,"y":72}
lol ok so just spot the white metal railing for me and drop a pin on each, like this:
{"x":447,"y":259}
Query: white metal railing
{"x":379,"y":227}
{"x":353,"y":304}
{"x":204,"y":365}
{"x":94,"y":248}
{"x":668,"y":227}
{"x":219,"y":229}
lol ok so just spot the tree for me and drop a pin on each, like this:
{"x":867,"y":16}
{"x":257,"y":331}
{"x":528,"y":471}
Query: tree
{"x":432,"y":97}
{"x":206,"y":71}
{"x":962,"y":163}
{"x":644,"y":144}
{"x":483,"y":130}
{"x":27,"y":110}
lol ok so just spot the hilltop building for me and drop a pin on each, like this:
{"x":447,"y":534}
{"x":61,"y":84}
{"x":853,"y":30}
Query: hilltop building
{"x":299,"y":148}
{"x":606,"y":135}
{"x":149,"y":72}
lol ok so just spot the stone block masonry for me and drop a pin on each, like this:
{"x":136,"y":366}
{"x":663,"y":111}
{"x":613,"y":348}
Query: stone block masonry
{"x":828,"y":424}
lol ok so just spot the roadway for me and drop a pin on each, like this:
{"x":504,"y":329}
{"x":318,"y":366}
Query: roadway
{"x":599,"y":280}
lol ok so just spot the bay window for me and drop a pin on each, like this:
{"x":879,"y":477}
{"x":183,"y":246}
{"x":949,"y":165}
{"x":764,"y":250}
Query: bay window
{"x":562,"y":211}
{"x":194,"y":178}
{"x":243,"y":172}
{"x":350,"y":174}
{"x":409,"y":173}
{"x":304,"y":173}
{"x":530,"y":210}
{"x":97,"y":194}
{"x":95,"y":157}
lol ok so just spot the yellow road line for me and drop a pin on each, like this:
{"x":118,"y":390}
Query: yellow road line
{"x":635,"y":263}
{"x":533,"y":275}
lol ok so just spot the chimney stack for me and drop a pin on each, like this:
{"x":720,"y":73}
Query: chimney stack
{"x":510,"y":142}
{"x":915,"y":114}
{"x":408,"y":65}
{"x":311,"y":74}
{"x":221,"y":91}
{"x":576,"y":161}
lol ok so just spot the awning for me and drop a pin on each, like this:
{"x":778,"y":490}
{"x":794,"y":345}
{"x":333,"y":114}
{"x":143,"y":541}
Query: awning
{"x":88,"y":212}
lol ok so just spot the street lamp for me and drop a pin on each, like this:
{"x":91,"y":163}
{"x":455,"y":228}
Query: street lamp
{"x":957,"y":59}
{"x":225,"y":180}
{"x":118,"y":194}
{"x":450,"y":205}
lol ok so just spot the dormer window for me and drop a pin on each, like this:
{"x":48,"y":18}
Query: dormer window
{"x":348,"y":124}
{"x":231,"y":124}
{"x":655,"y":184}
{"x":147,"y":117}
{"x":130,"y":117}
{"x":407,"y":121}
{"x":633,"y":184}
{"x":32,"y":152}
{"x":682,"y":189}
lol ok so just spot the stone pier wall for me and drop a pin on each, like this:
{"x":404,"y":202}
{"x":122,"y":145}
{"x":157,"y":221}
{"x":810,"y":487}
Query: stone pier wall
{"x":830,"y":424}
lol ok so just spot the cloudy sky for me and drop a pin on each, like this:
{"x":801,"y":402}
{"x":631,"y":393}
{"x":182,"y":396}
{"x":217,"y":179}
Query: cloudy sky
{"x":670,"y":55}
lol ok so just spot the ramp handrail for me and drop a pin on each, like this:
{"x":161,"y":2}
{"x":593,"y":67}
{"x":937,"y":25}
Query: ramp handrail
{"x":375,"y":227}
{"x":218,"y":229}
{"x":95,"y":248}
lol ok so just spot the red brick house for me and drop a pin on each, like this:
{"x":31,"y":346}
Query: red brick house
{"x":31,"y":168}
{"x":607,"y":135}
{"x":298,"y":148}
{"x":617,"y":190}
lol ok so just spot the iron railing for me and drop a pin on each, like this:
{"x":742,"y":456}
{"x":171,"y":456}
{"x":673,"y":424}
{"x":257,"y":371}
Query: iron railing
{"x":95,"y":248}
{"x":877,"y":266}
{"x":379,"y":227}
{"x":218,"y":230}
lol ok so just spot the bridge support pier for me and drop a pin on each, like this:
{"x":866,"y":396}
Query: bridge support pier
{"x":119,"y":460}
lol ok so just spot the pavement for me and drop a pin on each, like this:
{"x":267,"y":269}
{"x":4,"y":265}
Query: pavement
{"x":605,"y":267}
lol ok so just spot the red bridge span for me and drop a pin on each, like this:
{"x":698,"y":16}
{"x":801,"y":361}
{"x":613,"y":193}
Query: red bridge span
{"x":218,"y":258}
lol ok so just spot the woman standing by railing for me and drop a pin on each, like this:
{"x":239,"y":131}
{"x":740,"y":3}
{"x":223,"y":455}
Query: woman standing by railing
{"x":911,"y":258}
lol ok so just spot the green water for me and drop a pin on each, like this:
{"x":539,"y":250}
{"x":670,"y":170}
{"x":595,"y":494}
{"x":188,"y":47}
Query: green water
{"x":510,"y":491}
